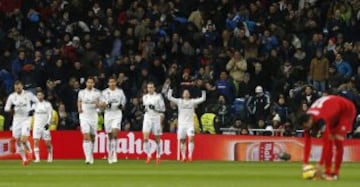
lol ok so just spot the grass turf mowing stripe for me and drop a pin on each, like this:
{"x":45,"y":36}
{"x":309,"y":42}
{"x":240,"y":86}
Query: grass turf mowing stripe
{"x":169,"y":173}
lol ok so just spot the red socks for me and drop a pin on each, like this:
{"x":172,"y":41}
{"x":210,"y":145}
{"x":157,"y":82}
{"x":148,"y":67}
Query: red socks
{"x":339,"y":155}
{"x":328,"y":156}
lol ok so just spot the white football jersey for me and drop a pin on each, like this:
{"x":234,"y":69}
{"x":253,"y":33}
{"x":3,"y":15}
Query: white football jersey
{"x":115,"y":97}
{"x":89,"y":99}
{"x":186,"y":108}
{"x":43,"y":113}
{"x":156,"y":100}
{"x":23,"y":102}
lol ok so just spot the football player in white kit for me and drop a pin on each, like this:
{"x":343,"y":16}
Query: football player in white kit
{"x":186,"y":108}
{"x":113,"y":101}
{"x":88,"y":103}
{"x":21,"y":102}
{"x":154,"y":106}
{"x":42,"y":119}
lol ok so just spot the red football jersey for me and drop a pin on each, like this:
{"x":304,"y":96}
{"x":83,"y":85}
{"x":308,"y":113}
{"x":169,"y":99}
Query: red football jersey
{"x":335,"y":111}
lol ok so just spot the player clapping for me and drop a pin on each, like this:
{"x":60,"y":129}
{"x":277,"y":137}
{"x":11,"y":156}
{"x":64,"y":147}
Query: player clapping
{"x":113,"y":101}
{"x":42,"y":119}
{"x":88,"y":103}
{"x":186,"y":108}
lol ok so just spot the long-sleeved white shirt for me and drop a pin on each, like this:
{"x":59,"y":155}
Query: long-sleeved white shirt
{"x":115,"y":97}
{"x":186,"y":108}
{"x":43,"y":113}
{"x":23,"y":102}
{"x":156,"y":100}
{"x":89,"y":99}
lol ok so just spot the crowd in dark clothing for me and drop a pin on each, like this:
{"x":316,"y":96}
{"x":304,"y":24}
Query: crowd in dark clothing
{"x":262,"y":63}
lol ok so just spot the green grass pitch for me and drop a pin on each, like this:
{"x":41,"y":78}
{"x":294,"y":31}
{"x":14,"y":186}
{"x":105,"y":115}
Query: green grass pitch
{"x":68,"y":173}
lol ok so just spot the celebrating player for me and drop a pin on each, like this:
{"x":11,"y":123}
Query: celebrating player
{"x":333,"y":116}
{"x":113,"y":100}
{"x":154,"y":106}
{"x":88,"y":103}
{"x":186,"y":108}
{"x":21,"y":103}
{"x":42,"y":119}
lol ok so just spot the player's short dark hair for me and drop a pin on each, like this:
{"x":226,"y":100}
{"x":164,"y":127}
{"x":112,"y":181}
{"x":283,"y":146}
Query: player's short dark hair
{"x":302,"y":118}
{"x":39,"y":90}
{"x":112,"y":77}
{"x":91,"y":78}
{"x":150,"y":82}
{"x":18,"y":82}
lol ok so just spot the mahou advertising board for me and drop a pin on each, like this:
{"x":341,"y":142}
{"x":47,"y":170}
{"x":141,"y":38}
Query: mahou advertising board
{"x":68,"y":145}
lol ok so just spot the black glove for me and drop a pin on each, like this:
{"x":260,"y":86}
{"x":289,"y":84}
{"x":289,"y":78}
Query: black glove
{"x":31,"y":113}
{"x":46,"y":127}
{"x":108,"y":105}
{"x":120,"y":107}
{"x":152,"y":107}
{"x":12,"y":107}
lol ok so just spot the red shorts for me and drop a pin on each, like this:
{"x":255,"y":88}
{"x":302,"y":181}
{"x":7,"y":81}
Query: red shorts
{"x":345,"y":124}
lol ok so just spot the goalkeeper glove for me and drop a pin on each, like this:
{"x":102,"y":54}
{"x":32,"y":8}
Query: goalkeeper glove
{"x":12,"y":107}
{"x":46,"y":127}
{"x":31,"y":113}
{"x":120,"y":107}
{"x":152,"y":107}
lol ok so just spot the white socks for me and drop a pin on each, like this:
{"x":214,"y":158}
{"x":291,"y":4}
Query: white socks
{"x":88,"y":150}
{"x":147,"y":148}
{"x":183,"y":150}
{"x":191,"y":149}
{"x":114,"y":149}
{"x":50,"y":153}
{"x":37,"y":153}
{"x":21,"y":151}
{"x":28,"y":147}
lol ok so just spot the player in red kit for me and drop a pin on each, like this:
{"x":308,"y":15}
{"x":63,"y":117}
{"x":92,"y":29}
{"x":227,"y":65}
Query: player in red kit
{"x":333,"y":116}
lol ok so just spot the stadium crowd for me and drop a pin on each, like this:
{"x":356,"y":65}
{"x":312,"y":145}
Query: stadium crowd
{"x":262,"y":63}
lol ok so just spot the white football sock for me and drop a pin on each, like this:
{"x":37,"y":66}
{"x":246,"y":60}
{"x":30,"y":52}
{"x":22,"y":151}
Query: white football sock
{"x":28,"y":147}
{"x":21,"y":151}
{"x":109,"y":149}
{"x":183,"y":150}
{"x":50,"y":153}
{"x":191,"y":148}
{"x":147,"y":148}
{"x":114,"y":148}
{"x":87,"y":149}
{"x":37,"y":153}
{"x":158,"y":151}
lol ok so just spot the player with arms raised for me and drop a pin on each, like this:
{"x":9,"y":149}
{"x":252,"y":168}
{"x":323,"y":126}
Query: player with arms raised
{"x":88,"y":103}
{"x":333,"y":116}
{"x":113,"y":101}
{"x":21,"y":102}
{"x":42,"y":119}
{"x":154,"y":106}
{"x":186,"y":108}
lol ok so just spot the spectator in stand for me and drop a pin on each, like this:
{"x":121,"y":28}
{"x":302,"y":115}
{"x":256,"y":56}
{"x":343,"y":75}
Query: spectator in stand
{"x":258,"y":107}
{"x":282,"y":109}
{"x":343,"y":67}
{"x":319,"y":71}
{"x":309,"y":95}
{"x":237,"y":66}
{"x":224,"y":86}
